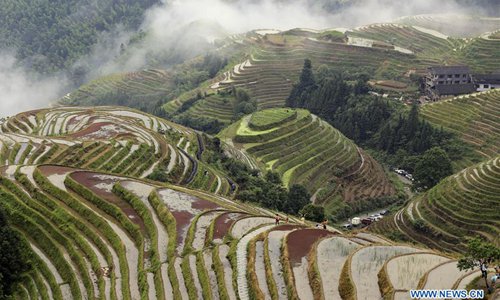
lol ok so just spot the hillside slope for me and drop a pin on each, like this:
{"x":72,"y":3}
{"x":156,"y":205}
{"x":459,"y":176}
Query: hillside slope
{"x":384,"y":51}
{"x":109,"y":139}
{"x":141,"y":89}
{"x":462,"y":205}
{"x":305,"y":149}
{"x":454,"y":24}
{"x":268,"y":62}
{"x":95,"y":235}
{"x":51,"y":37}
{"x":474,"y":118}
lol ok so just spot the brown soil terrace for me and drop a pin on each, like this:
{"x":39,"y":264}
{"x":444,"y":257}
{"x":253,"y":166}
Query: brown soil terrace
{"x":300,"y":242}
{"x":224,"y":222}
{"x":90,"y":180}
{"x":204,"y":204}
{"x":286,"y":227}
{"x":94,"y":128}
{"x":73,"y":120}
{"x":182,"y":221}
{"x":183,"y":218}
{"x":51,"y":170}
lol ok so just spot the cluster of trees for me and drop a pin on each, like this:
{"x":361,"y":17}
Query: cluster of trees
{"x":243,"y":104}
{"x":267,"y":190}
{"x":52,"y":35}
{"x":313,"y":212}
{"x":208,"y":125}
{"x":397,"y":134}
{"x":14,"y":257}
{"x":188,"y":77}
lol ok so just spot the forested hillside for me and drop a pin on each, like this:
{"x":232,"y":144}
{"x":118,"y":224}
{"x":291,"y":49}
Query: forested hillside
{"x":50,"y":35}
{"x":398,"y":134}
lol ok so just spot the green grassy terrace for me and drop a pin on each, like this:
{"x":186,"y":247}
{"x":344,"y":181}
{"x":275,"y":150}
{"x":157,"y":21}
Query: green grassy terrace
{"x":462,"y":205}
{"x":474,"y":118}
{"x":308,"y":151}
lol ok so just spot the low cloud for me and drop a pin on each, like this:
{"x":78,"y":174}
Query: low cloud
{"x":20,"y":90}
{"x":181,"y":29}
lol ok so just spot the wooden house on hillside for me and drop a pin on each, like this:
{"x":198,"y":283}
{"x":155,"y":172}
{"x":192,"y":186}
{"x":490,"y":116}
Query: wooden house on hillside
{"x":485,"y":82}
{"x":442,"y":81}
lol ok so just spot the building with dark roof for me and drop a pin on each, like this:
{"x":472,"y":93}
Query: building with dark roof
{"x":442,"y":81}
{"x":485,"y":82}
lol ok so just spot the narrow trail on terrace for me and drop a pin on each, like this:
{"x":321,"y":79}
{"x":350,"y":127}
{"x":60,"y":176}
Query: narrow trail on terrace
{"x":201,"y":147}
{"x":194,"y":170}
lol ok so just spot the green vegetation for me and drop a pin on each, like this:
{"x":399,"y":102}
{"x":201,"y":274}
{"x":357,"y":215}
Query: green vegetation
{"x":473,"y":119}
{"x":267,"y":119}
{"x":306,"y":150}
{"x":477,"y":252}
{"x":14,"y":257}
{"x":217,"y":109}
{"x":267,"y":191}
{"x":147,"y":90}
{"x":460,"y":206}
{"x":433,"y":166}
{"x":369,"y":120}
{"x":313,"y":212}
{"x":53,"y":37}
{"x":332,"y":36}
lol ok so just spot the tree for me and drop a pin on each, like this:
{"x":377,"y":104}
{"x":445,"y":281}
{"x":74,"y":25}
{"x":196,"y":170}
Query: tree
{"x":14,"y":260}
{"x":303,"y":90}
{"x":478,"y":251}
{"x":307,"y":77}
{"x":273,"y":177}
{"x":298,"y":197}
{"x":244,"y":104}
{"x":432,"y":166}
{"x":313,"y":212}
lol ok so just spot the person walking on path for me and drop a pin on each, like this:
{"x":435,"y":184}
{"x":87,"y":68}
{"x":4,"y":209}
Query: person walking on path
{"x":324,"y":224}
{"x":277,"y":219}
{"x":484,"y":272}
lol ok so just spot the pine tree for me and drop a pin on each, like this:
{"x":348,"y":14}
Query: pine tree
{"x":302,"y":91}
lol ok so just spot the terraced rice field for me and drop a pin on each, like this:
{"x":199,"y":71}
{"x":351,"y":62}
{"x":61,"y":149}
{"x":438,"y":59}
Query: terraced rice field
{"x":269,"y":72}
{"x":271,"y":118}
{"x":305,"y":149}
{"x":462,"y":205}
{"x":268,"y":68}
{"x":144,"y":84}
{"x":108,"y":139}
{"x":364,"y":265}
{"x":100,"y":236}
{"x":435,"y":49}
{"x":386,"y":51}
{"x":474,"y":118}
{"x":453,"y":24}
{"x":213,"y":106}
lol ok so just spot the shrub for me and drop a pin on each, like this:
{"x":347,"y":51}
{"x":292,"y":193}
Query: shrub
{"x":420,"y":226}
{"x":313,"y":212}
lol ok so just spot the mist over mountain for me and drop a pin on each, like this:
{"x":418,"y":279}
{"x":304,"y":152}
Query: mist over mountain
{"x":75,"y":41}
